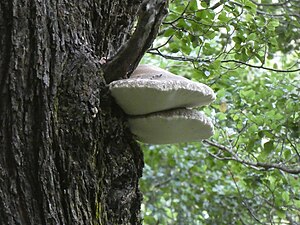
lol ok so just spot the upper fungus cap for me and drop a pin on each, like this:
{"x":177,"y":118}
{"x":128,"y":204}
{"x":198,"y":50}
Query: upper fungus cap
{"x":152,"y":89}
{"x":173,"y":126}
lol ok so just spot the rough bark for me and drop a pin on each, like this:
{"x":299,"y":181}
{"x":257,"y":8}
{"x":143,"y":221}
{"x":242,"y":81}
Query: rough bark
{"x":66,"y":153}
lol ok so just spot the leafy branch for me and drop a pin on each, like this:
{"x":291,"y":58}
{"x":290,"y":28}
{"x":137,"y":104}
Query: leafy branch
{"x":271,"y":4}
{"x":260,"y":66}
{"x":156,"y":51}
{"x":243,"y":199}
{"x":254,"y":165}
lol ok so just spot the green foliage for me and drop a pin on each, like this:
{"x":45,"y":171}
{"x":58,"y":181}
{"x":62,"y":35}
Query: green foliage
{"x":248,"y":172}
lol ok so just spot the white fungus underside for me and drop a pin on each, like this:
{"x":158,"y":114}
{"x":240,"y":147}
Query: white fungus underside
{"x":174,"y":126}
{"x":139,"y":96}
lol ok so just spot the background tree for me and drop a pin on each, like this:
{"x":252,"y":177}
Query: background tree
{"x":248,"y":172}
{"x":66,"y":153}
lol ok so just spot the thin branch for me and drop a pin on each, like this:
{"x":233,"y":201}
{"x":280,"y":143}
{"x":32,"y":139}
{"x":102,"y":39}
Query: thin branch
{"x":270,"y":4}
{"x":294,"y":147}
{"x":162,"y":183}
{"x":260,"y":67}
{"x":219,"y":3}
{"x":162,"y":45}
{"x":179,"y":17}
{"x":176,"y":58}
{"x":242,"y":198}
{"x":193,"y":60}
{"x":292,"y":14}
{"x":255,"y":165}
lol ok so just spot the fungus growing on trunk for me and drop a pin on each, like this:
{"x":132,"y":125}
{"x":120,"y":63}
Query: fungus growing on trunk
{"x":173,"y":126}
{"x":157,"y":103}
{"x":152,"y":89}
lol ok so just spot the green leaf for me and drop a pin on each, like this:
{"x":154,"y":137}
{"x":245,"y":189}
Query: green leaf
{"x":173,"y":47}
{"x":286,"y":196}
{"x":250,"y":6}
{"x":223,"y":17}
{"x":281,"y":214}
{"x":250,"y":145}
{"x":248,"y":94}
{"x":272,"y":181}
{"x":211,"y":34}
{"x":252,"y":36}
{"x":193,"y":5}
{"x":169,"y":32}
{"x":237,"y":39}
{"x":273,"y":24}
{"x":297,"y":203}
{"x":204,"y":4}
{"x":269,"y":146}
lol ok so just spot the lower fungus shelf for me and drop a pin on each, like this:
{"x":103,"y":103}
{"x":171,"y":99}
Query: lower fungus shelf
{"x":173,"y":126}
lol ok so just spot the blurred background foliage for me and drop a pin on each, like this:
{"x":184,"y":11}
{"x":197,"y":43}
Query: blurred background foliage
{"x":249,"y":172}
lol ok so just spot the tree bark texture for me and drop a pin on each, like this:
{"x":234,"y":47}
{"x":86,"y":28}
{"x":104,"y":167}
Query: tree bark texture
{"x":66,"y":153}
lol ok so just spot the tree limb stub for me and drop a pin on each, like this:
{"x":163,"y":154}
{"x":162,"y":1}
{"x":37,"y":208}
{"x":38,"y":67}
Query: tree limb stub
{"x":151,"y":14}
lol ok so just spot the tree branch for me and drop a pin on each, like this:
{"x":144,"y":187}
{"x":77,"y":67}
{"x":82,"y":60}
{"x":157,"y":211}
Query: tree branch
{"x":270,"y":14}
{"x":260,"y":67}
{"x":255,"y":165}
{"x":271,"y":4}
{"x":243,"y":198}
{"x":151,"y":14}
{"x":156,"y":51}
{"x":193,"y":60}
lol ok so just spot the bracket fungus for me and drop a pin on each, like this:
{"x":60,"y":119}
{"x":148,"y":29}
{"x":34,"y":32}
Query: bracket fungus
{"x":151,"y":89}
{"x":173,"y":126}
{"x":157,"y":103}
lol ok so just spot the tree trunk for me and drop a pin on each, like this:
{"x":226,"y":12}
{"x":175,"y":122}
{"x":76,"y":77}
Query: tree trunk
{"x":66,"y":153}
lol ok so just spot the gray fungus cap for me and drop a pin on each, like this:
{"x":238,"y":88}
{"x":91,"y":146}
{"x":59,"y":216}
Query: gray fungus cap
{"x":152,"y":89}
{"x":172,"y":126}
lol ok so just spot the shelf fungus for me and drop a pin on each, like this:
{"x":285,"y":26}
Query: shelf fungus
{"x":158,"y":104}
{"x":151,"y":89}
{"x":172,"y":126}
